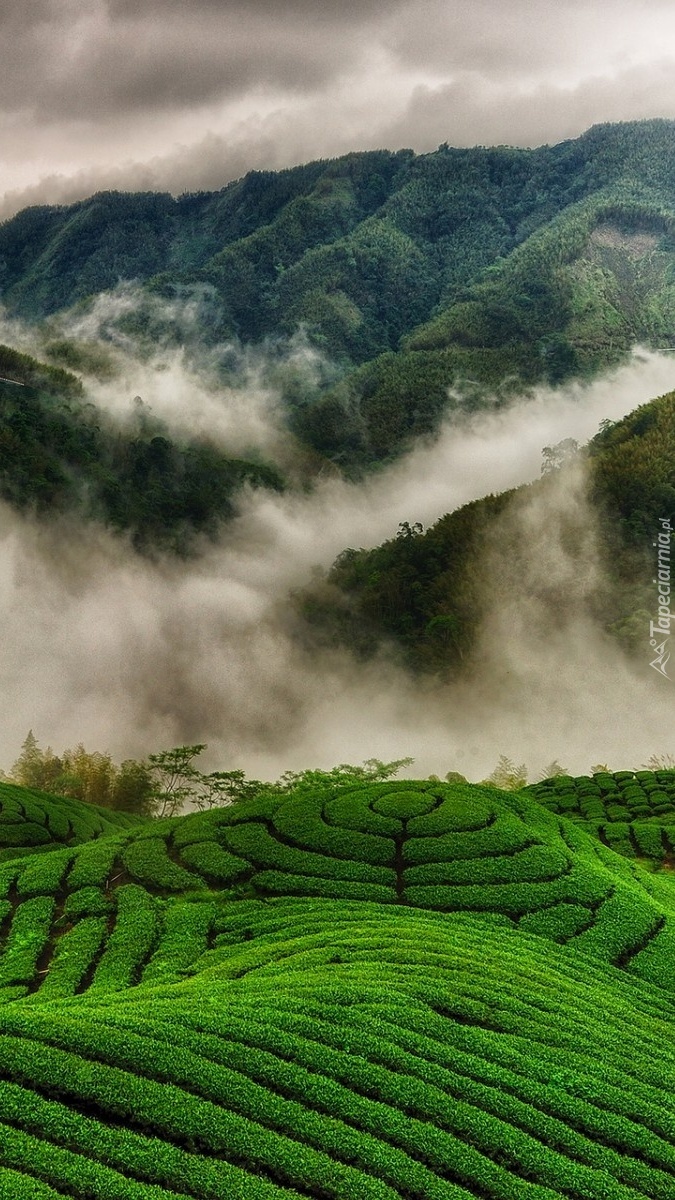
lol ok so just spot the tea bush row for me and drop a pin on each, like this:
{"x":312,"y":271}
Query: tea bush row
{"x":526,"y":865}
{"x":184,"y":938}
{"x":515,"y":899}
{"x":447,"y":1138}
{"x":301,"y":821}
{"x":129,"y":944}
{"x":132,"y":1154}
{"x":507,"y":835}
{"x":613,"y":797}
{"x":184,"y":1118}
{"x":75,"y":954}
{"x":214,"y":863}
{"x":253,"y":842}
{"x":27,"y":938}
{"x":146,"y":859}
{"x":410,"y":1085}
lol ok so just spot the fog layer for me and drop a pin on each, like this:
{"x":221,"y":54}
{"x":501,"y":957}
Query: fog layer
{"x":104,"y":647}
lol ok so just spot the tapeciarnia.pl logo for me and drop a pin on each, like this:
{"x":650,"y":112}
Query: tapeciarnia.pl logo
{"x":661,"y":625}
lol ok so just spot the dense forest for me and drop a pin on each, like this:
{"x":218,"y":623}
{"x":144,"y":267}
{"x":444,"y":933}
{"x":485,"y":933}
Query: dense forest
{"x":59,"y":454}
{"x":428,"y":592}
{"x":427,"y":281}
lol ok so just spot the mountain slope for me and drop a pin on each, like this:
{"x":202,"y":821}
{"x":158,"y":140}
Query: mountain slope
{"x":428,"y":593}
{"x":59,"y":454}
{"x":480,"y":270}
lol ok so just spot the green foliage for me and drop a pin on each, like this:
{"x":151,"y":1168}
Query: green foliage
{"x":29,"y":819}
{"x":147,"y":861}
{"x":475,"y":272}
{"x":175,"y":778}
{"x":429,"y":593}
{"x":129,"y":944}
{"x":60,"y":454}
{"x":160,"y":786}
{"x":371,"y":770}
{"x":412,"y":988}
{"x":26,"y":939}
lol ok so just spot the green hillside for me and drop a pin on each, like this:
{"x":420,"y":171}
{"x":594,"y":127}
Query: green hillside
{"x":59,"y":454}
{"x":426,"y":593}
{"x":482,"y":270}
{"x":405,"y":989}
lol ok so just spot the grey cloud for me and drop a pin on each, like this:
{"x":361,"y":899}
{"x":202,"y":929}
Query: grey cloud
{"x":154,"y":94}
{"x":521,"y":38}
{"x":141,"y":68}
{"x":467,"y":112}
{"x":89,"y":62}
{"x":321,"y":11}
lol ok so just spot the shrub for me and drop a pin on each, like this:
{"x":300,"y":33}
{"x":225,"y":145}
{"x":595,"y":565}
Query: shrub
{"x":129,"y":943}
{"x":212,"y":862}
{"x":146,"y":859}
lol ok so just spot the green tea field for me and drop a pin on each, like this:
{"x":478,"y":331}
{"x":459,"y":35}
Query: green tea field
{"x":398,"y":990}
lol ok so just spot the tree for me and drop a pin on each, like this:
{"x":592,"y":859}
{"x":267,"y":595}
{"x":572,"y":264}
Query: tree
{"x":175,"y":779}
{"x":555,"y":456}
{"x":224,"y":787}
{"x":132,"y":788}
{"x":507,"y":776}
{"x":87,"y":776}
{"x":406,"y":530}
{"x":28,"y":768}
{"x":552,"y":770}
{"x":372,"y":770}
{"x":455,"y":777}
{"x":92,"y":777}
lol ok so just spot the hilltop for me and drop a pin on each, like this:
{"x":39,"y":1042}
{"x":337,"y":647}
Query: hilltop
{"x":404,"y":989}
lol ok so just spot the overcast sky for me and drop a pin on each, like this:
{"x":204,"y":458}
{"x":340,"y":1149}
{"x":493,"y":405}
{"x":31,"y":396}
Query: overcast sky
{"x":163,"y":94}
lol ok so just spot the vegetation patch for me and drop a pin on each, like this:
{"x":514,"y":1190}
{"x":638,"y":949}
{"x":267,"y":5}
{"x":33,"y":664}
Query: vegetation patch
{"x":374,"y":990}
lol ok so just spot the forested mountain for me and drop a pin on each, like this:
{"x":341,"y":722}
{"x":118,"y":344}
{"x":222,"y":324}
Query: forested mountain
{"x":59,"y":454}
{"x":428,"y":593}
{"x":481,"y":270}
{"x":428,"y":281}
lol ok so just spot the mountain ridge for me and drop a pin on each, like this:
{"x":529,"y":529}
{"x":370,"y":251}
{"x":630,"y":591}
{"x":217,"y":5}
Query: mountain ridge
{"x":473,"y":270}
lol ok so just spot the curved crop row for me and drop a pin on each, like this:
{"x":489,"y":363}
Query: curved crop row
{"x":409,"y":1063}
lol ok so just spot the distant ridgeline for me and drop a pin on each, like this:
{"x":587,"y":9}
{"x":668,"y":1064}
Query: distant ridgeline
{"x":58,"y":454}
{"x":477,"y":269}
{"x":401,"y":989}
{"x":428,"y":593}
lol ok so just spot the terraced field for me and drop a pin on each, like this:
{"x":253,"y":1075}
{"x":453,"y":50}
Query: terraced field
{"x":402,"y":990}
{"x":631,"y":811}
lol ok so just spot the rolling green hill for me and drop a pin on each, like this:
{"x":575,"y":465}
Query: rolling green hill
{"x":405,"y":989}
{"x":482,"y":271}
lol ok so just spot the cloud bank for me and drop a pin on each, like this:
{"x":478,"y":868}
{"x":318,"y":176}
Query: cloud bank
{"x":130,"y":656}
{"x":105,"y":93}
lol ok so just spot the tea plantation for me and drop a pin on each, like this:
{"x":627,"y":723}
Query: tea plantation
{"x":417,"y":990}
